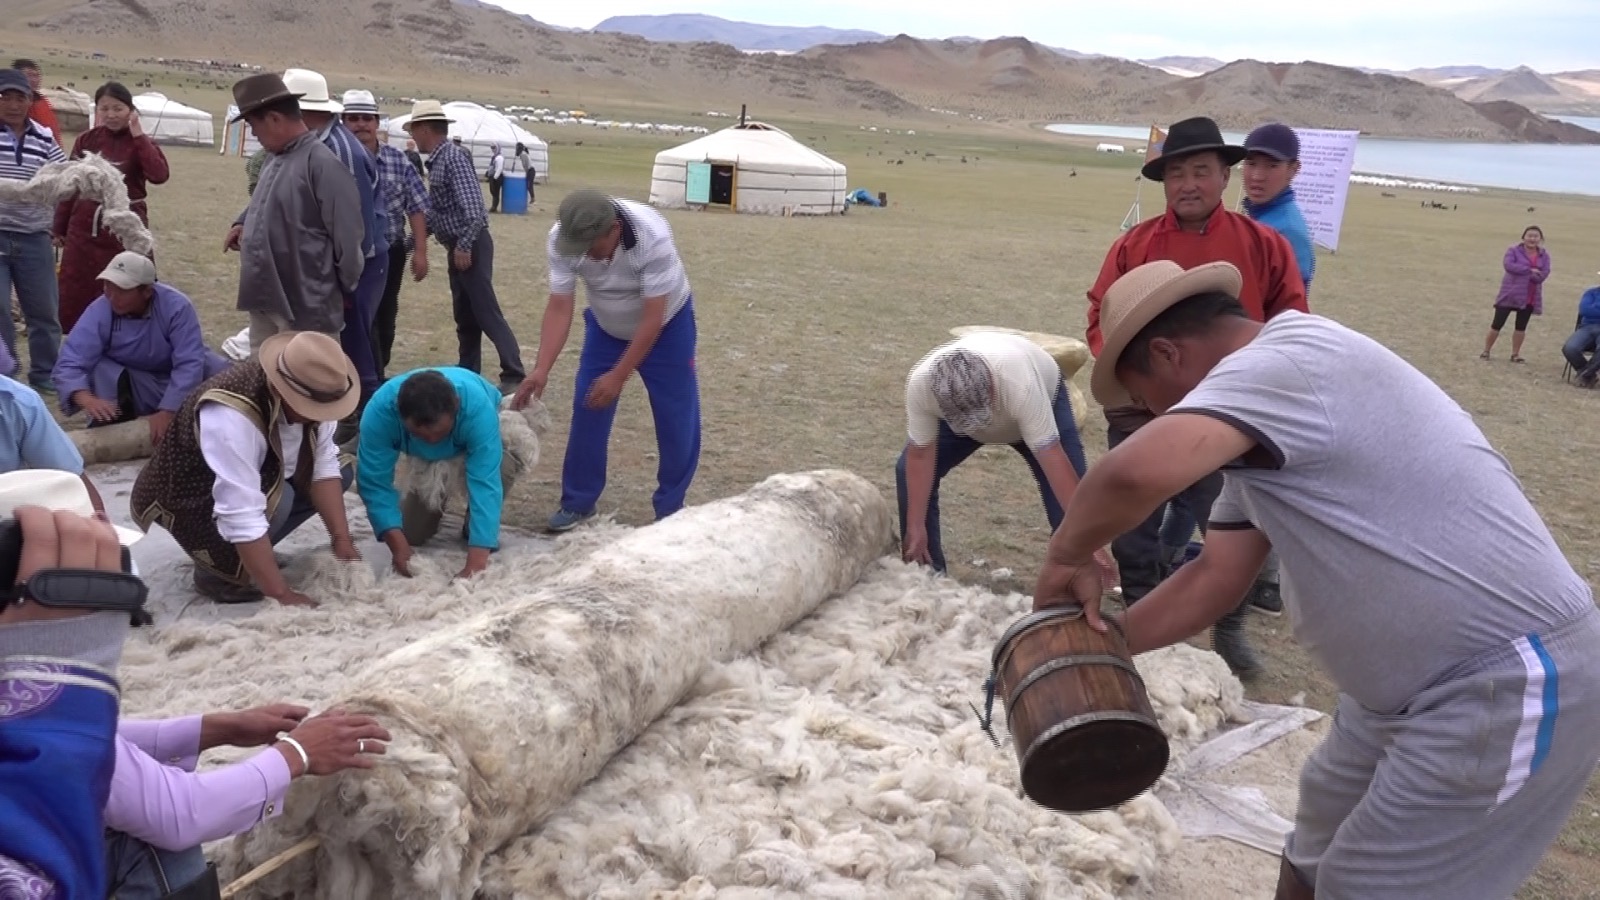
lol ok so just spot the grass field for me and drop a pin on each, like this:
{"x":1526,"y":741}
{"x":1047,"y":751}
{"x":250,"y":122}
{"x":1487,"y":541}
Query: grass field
{"x":808,"y":327}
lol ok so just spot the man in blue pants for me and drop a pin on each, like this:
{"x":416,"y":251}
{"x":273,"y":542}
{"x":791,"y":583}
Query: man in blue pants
{"x":983,"y":388}
{"x":640,"y":319}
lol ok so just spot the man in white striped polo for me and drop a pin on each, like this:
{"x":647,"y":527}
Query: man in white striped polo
{"x":27,"y":258}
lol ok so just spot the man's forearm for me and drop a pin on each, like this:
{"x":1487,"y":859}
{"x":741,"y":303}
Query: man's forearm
{"x":1185,"y":604}
{"x":1103,"y":506}
{"x":553,"y":333}
{"x":919,"y":484}
{"x":327,"y":498}
{"x":259,"y":561}
{"x":1058,"y":473}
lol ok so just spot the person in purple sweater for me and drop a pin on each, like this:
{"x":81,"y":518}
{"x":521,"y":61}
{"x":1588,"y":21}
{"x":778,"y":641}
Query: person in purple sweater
{"x":161,"y":810}
{"x":1527,"y":265}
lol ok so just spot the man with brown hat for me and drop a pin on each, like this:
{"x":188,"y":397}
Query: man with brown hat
{"x":300,"y":238}
{"x":1415,"y":571}
{"x":248,"y":459}
{"x":1193,"y":165}
{"x":457,"y":219}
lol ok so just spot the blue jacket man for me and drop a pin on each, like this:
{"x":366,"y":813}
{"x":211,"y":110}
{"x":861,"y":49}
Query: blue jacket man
{"x":432,"y":415}
{"x":1585,"y":340}
{"x":1271,"y":163}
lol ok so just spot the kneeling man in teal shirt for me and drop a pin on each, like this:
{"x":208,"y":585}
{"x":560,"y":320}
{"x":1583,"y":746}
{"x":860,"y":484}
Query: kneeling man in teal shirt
{"x":433,"y":415}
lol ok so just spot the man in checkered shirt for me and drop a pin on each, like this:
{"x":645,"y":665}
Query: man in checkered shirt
{"x":458,"y":220}
{"x":403,"y":197}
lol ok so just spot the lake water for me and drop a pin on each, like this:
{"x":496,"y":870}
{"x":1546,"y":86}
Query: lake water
{"x":1563,"y":169}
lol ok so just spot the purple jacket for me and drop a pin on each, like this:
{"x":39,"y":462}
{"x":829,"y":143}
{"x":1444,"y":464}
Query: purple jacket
{"x":157,"y":797}
{"x":1523,"y":285}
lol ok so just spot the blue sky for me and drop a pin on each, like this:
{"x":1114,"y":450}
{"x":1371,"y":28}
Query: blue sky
{"x":1550,"y":35}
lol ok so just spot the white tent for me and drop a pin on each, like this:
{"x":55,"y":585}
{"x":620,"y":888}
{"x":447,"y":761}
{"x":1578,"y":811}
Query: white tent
{"x":237,"y":138}
{"x":74,"y":111}
{"x":752,"y":167}
{"x":170,"y":122}
{"x":478,"y":128}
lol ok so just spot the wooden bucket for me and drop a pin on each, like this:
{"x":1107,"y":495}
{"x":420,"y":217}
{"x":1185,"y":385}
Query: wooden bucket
{"x":1085,"y":735}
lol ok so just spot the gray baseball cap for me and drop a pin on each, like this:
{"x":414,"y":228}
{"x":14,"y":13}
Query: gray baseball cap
{"x":585,"y":215}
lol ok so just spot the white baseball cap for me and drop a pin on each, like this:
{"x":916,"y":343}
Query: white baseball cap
{"x":129,"y":270}
{"x":53,"y":489}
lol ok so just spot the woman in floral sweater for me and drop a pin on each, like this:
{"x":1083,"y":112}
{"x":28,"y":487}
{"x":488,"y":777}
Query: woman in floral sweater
{"x":1527,"y":265}
{"x":88,"y":246}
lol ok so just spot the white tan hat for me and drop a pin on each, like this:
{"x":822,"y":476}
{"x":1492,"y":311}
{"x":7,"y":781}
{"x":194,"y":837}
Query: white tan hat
{"x":129,"y":270}
{"x":53,"y":489}
{"x":313,"y":90}
{"x":1133,"y":302}
{"x":360,"y":102}
{"x":427,"y":111}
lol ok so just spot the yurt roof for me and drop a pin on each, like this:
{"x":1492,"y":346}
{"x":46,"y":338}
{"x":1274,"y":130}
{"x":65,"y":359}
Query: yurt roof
{"x":477,"y":125}
{"x":755,"y":142}
{"x":154,"y":102}
{"x":65,"y":98}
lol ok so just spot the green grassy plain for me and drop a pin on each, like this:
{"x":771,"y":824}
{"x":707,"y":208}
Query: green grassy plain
{"x":808,"y":326}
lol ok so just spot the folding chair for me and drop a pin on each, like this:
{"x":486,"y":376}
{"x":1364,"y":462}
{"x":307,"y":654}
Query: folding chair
{"x":1566,"y":367}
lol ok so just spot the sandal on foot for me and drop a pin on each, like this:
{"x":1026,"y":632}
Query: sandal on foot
{"x":1518,"y":359}
{"x":1483,"y":355}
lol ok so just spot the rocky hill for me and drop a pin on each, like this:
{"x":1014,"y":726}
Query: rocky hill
{"x":464,"y":45}
{"x":743,"y":35}
{"x":1524,"y":86}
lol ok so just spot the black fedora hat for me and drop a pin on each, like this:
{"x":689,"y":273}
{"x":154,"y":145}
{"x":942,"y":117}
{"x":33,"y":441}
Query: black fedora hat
{"x":1191,"y":136}
{"x":257,"y":91}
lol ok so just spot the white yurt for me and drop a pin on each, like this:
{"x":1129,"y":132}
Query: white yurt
{"x":237,"y":138}
{"x":478,"y":129}
{"x":74,"y":110}
{"x":170,"y":122}
{"x":751,"y":167}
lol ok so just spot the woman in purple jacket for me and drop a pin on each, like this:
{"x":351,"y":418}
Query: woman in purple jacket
{"x":1527,"y":266}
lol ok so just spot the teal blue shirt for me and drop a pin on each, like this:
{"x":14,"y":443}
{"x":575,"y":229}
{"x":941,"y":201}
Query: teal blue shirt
{"x":1282,"y":214}
{"x":476,"y":436}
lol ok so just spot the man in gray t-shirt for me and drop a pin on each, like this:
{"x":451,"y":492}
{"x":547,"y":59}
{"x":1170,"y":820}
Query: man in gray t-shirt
{"x":1416,"y":572}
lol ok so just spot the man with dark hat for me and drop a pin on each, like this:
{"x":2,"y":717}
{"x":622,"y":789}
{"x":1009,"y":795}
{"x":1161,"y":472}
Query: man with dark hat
{"x":1193,"y":167}
{"x":300,"y":239}
{"x":1416,"y":572}
{"x":457,"y":219}
{"x":640,"y":319}
{"x":248,"y":459}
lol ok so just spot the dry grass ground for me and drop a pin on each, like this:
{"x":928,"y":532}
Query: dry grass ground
{"x":807,"y":328}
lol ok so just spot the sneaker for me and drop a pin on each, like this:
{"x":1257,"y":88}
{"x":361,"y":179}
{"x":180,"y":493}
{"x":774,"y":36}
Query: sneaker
{"x":566,"y":520}
{"x":221,"y":590}
{"x":1266,"y":599}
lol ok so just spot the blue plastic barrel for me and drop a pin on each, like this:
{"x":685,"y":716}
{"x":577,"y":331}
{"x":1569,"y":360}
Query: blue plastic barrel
{"x":514,"y":194}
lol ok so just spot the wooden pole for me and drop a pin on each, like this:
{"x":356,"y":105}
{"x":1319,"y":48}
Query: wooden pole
{"x":121,"y":442}
{"x":270,"y":866}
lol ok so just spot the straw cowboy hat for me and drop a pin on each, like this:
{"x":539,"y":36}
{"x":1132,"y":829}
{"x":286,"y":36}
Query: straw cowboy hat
{"x":1133,"y":302}
{"x":312,"y":374}
{"x":427,"y":111}
{"x":53,"y":489}
{"x":258,"y":91}
{"x":360,"y":102}
{"x":313,"y":90}
{"x":1189,"y":137}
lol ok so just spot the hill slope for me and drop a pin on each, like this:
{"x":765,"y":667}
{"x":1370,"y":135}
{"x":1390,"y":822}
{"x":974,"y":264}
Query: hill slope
{"x":743,"y":35}
{"x":1529,"y":88}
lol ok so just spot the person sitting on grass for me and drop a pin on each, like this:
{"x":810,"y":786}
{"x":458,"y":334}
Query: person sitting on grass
{"x":137,"y":353}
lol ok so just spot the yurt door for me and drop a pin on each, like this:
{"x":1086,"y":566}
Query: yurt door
{"x":724,"y":184}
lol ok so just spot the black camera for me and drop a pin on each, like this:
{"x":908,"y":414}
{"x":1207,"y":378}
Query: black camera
{"x":71,"y":588}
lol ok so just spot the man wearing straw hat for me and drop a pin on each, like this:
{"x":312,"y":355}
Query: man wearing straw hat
{"x":457,"y":219}
{"x":250,"y":458}
{"x":1415,"y":571}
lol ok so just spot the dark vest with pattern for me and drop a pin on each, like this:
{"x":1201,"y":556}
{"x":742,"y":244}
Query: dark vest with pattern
{"x":174,"y":489}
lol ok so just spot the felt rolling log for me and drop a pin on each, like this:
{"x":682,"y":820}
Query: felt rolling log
{"x":1086,"y":736}
{"x":499,"y":720}
{"x":1069,"y":353}
{"x":121,"y":442}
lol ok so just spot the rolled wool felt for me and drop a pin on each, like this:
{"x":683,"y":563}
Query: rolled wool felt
{"x":121,"y":442}
{"x":499,"y":720}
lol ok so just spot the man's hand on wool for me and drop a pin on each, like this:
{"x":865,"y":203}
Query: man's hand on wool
{"x":159,"y":422}
{"x":477,"y":561}
{"x":344,"y":549}
{"x":531,"y":387}
{"x":914,"y":549}
{"x":605,"y":390}
{"x":400,"y":551}
{"x":255,"y":727}
{"x":95,"y":408}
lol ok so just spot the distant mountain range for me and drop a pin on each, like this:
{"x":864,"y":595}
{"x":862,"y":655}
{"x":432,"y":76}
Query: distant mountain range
{"x":1562,"y":93}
